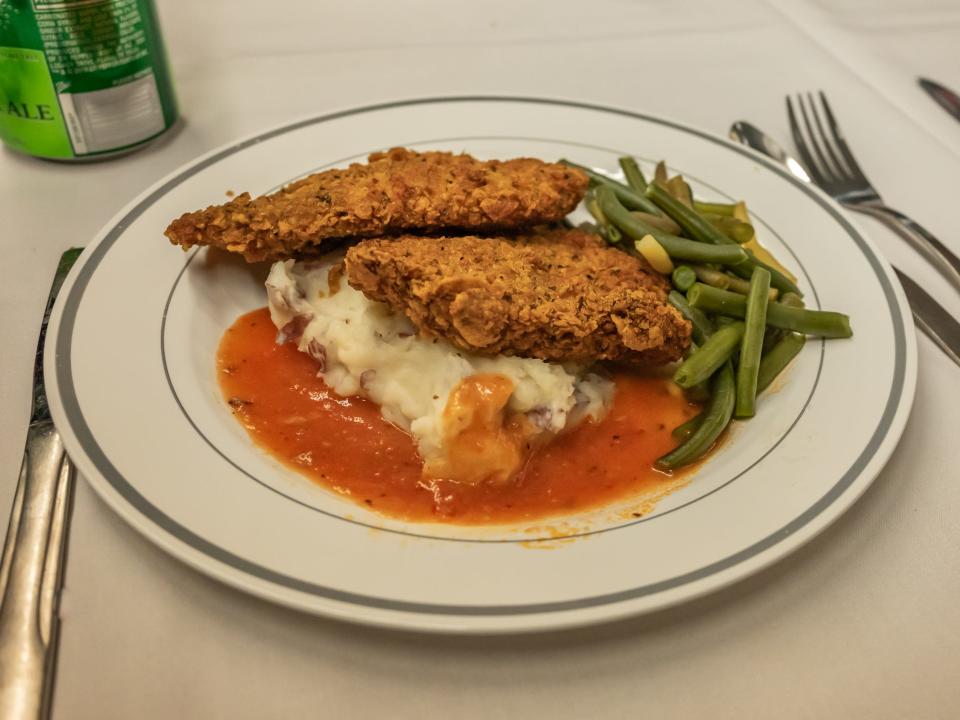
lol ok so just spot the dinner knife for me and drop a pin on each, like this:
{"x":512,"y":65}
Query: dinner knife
{"x":31,"y":569}
{"x":928,"y":314}
{"x":932,"y":318}
{"x":944,"y":97}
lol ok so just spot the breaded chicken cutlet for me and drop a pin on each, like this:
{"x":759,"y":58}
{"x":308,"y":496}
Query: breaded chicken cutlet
{"x":561,"y":295}
{"x":396,"y":191}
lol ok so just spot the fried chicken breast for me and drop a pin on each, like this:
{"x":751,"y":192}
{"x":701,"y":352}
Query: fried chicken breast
{"x":396,"y":191}
{"x":560,"y":295}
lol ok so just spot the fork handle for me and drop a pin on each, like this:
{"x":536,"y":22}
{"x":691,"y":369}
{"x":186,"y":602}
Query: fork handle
{"x":30,"y":576}
{"x":922,"y":239}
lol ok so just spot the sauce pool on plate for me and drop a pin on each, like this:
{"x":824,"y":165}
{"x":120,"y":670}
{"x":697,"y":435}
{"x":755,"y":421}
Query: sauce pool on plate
{"x":346,"y":446}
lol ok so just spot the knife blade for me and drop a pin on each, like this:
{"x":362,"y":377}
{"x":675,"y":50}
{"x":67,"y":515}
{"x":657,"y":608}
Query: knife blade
{"x":944,"y":97}
{"x":31,"y":568}
{"x":932,"y":318}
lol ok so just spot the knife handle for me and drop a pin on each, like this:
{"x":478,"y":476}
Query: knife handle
{"x":31,"y":572}
{"x":946,"y":262}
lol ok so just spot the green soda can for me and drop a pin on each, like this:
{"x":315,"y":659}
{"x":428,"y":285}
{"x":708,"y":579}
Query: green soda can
{"x":82,"y":79}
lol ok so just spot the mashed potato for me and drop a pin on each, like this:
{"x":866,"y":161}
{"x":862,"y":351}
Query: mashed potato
{"x":365,"y":348}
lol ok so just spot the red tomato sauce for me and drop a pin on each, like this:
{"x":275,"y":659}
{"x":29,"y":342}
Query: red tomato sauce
{"x":345,"y":445}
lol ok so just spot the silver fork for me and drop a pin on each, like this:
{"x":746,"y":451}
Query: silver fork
{"x":834,"y":169}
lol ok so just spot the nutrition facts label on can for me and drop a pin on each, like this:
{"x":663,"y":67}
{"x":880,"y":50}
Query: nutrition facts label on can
{"x":86,"y":36}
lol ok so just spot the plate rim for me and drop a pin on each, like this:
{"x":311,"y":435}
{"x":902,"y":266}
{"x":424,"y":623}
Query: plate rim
{"x":238,"y":572}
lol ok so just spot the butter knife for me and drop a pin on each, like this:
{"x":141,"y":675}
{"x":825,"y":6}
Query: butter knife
{"x":932,"y":318}
{"x":928,"y":314}
{"x":944,"y":97}
{"x":31,"y":569}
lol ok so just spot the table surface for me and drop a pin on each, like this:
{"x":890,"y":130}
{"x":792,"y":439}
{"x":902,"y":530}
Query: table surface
{"x":862,"y":622}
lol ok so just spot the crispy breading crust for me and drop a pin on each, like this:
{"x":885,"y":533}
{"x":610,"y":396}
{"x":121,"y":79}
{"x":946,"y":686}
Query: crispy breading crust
{"x":397,"y":191}
{"x":560,"y":295}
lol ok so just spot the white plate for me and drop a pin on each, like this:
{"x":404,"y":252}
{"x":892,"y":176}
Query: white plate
{"x":132,"y":388}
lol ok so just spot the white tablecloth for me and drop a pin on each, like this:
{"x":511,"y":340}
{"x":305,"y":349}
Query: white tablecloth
{"x":862,"y":623}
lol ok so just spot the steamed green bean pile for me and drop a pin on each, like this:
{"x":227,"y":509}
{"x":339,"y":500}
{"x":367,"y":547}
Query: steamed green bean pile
{"x":745,"y":309}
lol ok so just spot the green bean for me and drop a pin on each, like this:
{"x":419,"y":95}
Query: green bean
{"x":628,"y":219}
{"x":736,"y":230}
{"x":777,"y":279}
{"x":792,"y":299}
{"x":634,"y":175}
{"x":679,"y":248}
{"x":700,"y":229}
{"x":737,"y":285}
{"x":725,"y":209}
{"x":778,"y":358}
{"x":716,"y":417}
{"x":590,"y":202}
{"x":711,"y":277}
{"x":699,"y":392}
{"x":691,"y":250}
{"x":684,"y":430}
{"x":752,"y":344}
{"x":683,"y":277}
{"x":702,"y":326}
{"x":660,"y":172}
{"x":714,"y":300}
{"x":630,"y":199}
{"x":693,"y":224}
{"x":611,"y":233}
{"x":741,"y":286}
{"x":678,"y":187}
{"x":715,"y":352}
{"x":660,"y":222}
{"x":811,"y":322}
{"x":771,"y":337}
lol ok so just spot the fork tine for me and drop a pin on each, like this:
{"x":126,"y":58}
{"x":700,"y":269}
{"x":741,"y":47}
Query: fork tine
{"x":841,"y":142}
{"x":801,"y":144}
{"x":837,"y":167}
{"x":827,"y":171}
